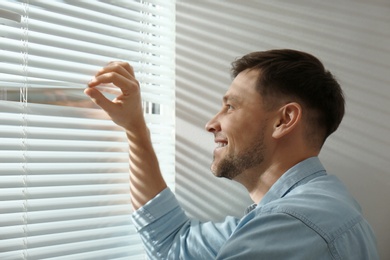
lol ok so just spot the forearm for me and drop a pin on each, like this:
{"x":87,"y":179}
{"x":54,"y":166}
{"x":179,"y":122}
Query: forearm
{"x":126,"y":111}
{"x":146,"y":180}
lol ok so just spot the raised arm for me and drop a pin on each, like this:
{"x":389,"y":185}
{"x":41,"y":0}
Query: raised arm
{"x":126,"y":111}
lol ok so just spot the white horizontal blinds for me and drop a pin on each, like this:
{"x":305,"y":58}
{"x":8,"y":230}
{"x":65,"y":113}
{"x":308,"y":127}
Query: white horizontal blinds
{"x":86,"y":30}
{"x":64,"y":188}
{"x":64,"y":191}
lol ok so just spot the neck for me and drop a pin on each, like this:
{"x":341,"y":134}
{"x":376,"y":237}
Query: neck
{"x":260,"y":179}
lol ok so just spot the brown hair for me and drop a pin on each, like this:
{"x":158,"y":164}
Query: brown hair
{"x":298,"y":77}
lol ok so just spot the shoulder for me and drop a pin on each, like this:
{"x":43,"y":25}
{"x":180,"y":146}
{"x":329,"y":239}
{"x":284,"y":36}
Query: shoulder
{"x":325,"y":207}
{"x":323,"y":204}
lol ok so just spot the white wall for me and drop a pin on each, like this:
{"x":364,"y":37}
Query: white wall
{"x":351,"y":38}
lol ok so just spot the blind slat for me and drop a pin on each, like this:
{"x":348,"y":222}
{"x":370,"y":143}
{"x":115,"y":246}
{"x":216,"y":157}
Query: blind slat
{"x":60,"y":145}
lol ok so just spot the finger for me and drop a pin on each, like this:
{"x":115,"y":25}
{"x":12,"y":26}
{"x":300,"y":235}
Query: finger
{"x":126,"y":85}
{"x":99,"y":99}
{"x":122,"y":68}
{"x":124,"y":65}
{"x":109,"y":89}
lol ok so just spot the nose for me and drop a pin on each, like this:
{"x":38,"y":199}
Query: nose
{"x":213,"y":125}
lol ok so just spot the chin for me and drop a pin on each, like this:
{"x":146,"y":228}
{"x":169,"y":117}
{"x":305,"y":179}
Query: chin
{"x":217,"y":172}
{"x":214,"y":170}
{"x":224,"y":168}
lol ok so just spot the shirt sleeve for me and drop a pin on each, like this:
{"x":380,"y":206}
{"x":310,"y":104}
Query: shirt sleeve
{"x":167,"y":233}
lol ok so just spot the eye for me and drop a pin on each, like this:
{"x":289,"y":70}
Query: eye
{"x":229,"y":107}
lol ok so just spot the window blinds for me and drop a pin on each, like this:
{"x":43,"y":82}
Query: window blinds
{"x":64,"y":190}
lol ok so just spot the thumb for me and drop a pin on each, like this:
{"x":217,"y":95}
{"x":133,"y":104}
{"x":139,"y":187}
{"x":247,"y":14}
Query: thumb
{"x":99,"y":99}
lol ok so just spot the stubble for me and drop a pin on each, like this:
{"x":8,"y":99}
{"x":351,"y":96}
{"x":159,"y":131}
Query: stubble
{"x":234,"y":164}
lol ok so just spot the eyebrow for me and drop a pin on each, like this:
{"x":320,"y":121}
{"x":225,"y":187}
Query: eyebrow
{"x":231,"y":98}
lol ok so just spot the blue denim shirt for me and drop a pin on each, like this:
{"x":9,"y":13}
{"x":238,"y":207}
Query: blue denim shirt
{"x":307,"y":214}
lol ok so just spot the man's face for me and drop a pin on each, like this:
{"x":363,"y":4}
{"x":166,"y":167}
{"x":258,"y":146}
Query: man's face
{"x":239,"y":128}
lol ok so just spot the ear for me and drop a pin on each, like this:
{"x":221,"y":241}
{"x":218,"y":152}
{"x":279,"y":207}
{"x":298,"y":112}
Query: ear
{"x":287,"y":119}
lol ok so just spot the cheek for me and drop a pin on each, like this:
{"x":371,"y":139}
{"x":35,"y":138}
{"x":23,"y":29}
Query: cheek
{"x":238,"y":139}
{"x":242,"y":131}
{"x":249,"y":136}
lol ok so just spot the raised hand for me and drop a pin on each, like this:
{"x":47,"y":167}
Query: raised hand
{"x":126,"y":109}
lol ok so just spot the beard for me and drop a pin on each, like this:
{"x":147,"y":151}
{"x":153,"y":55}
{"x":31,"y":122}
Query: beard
{"x":234,"y":164}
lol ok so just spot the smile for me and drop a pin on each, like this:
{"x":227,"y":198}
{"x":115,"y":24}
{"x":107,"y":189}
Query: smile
{"x":220,"y":144}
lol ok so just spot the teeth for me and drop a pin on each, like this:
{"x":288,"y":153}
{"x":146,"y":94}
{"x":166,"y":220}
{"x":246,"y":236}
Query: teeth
{"x":221,"y":145}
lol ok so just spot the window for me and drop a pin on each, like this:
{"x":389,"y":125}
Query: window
{"x":64,"y":190}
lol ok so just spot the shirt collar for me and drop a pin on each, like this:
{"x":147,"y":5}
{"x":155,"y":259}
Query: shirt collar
{"x":295,"y":176}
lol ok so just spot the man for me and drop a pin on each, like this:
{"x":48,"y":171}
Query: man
{"x":275,"y":117}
